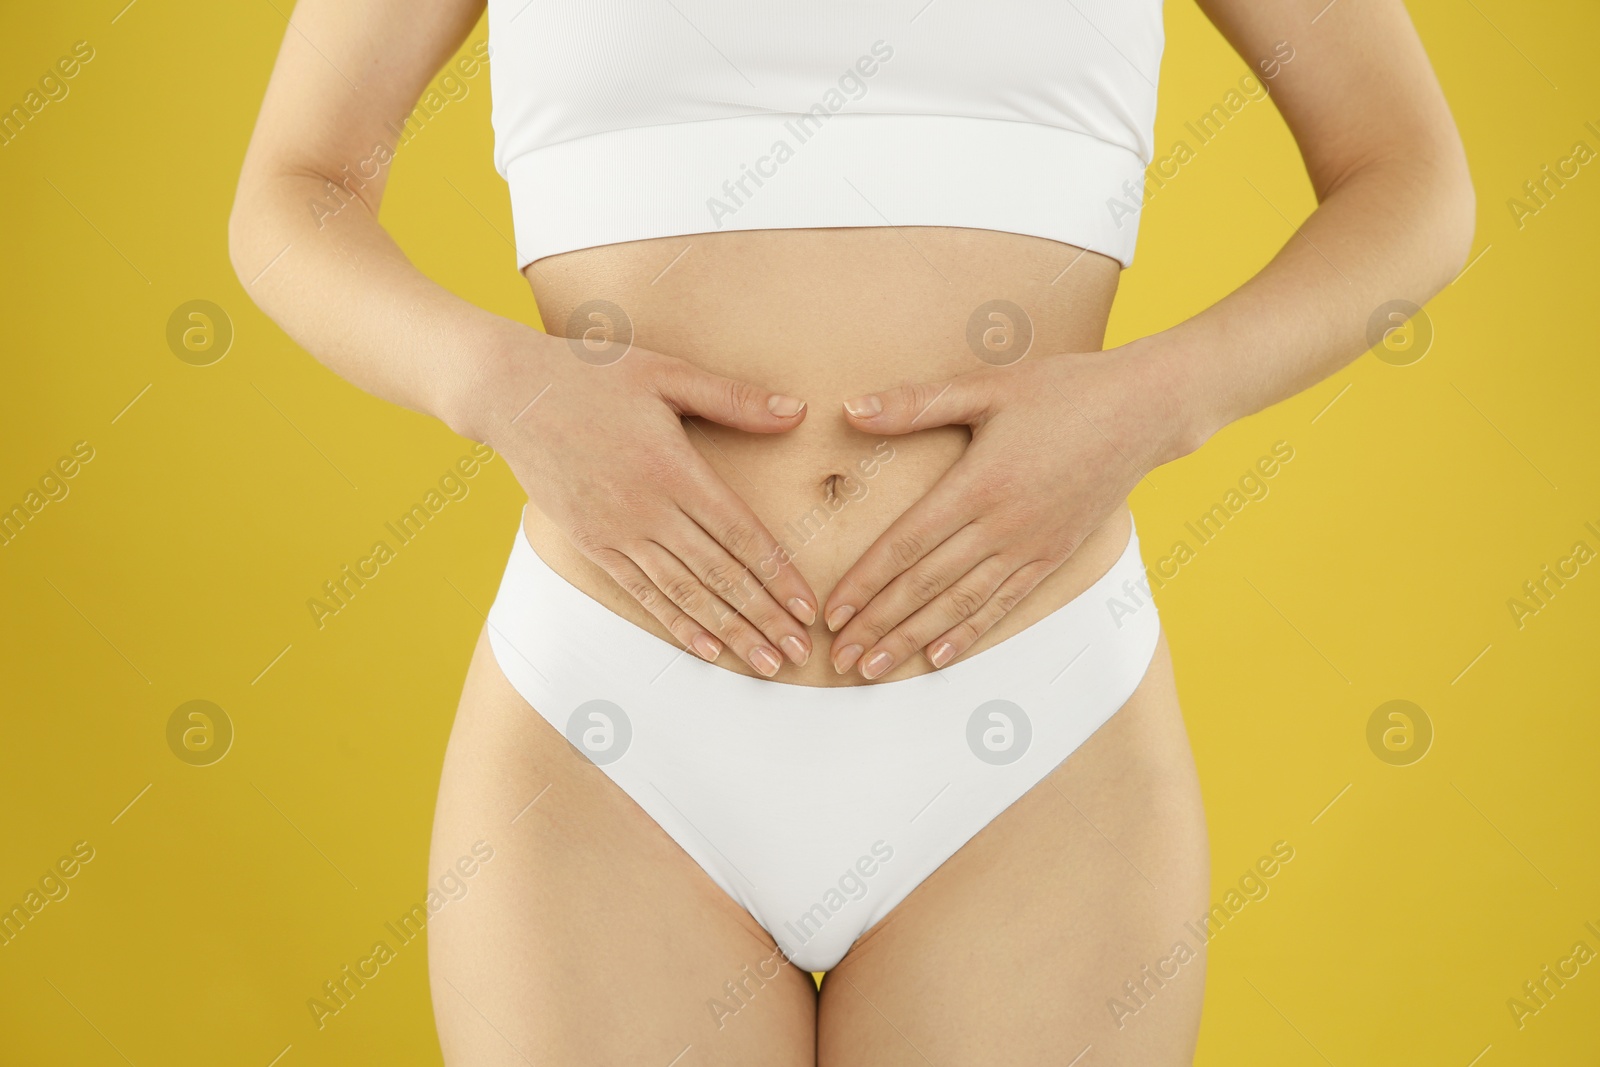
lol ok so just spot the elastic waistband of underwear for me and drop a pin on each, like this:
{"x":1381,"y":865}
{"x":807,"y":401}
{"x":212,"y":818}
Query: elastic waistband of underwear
{"x":544,"y":629}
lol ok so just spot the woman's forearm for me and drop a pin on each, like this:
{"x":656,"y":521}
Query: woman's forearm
{"x":1393,"y":230}
{"x":341,"y":288}
{"x":606,"y":457}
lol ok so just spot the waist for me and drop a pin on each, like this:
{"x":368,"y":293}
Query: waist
{"x":826,"y":315}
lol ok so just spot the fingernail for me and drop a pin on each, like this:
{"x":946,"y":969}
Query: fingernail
{"x":785,"y":407}
{"x":845,"y":658}
{"x":766,"y":661}
{"x":802,"y":611}
{"x":875,"y":665}
{"x":706,"y":648}
{"x":864,"y":407}
{"x":796,"y":649}
{"x":840,"y":616}
{"x":942,"y":654}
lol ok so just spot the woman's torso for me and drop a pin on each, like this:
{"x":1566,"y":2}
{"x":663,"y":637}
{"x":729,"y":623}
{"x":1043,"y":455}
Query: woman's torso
{"x":825,"y":315}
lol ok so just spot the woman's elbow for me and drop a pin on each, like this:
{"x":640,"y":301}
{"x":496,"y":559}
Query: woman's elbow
{"x":1458,"y":223}
{"x":1453,"y":200}
{"x":242,"y":229}
{"x":1443,"y":215}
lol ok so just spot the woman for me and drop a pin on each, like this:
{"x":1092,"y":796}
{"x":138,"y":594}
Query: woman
{"x":825,"y":644}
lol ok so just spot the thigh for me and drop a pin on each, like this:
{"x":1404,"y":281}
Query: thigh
{"x":588,"y":936}
{"x":1020,"y":948}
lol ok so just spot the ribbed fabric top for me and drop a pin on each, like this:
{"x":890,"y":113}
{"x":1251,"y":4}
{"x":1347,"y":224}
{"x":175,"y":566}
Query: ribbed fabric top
{"x":621,"y":120}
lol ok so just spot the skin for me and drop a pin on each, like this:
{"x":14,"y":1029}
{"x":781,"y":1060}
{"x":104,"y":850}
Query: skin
{"x":592,"y":938}
{"x":723,"y":308}
{"x":658,"y":482}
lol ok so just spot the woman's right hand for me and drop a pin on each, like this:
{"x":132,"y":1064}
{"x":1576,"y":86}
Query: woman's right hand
{"x":602,"y":450}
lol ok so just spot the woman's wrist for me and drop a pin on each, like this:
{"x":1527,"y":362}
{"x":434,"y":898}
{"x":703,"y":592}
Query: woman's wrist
{"x":1181,"y":407}
{"x":481,"y":398}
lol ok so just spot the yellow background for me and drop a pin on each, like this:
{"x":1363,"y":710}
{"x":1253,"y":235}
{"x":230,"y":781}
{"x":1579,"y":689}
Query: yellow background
{"x":178,"y":568}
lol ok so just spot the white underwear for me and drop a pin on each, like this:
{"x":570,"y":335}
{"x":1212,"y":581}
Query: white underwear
{"x":820,"y":809}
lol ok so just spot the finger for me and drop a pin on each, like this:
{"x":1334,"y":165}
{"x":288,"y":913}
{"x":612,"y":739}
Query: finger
{"x":945,"y":648}
{"x":679,"y":584}
{"x":918,"y":585}
{"x":692,"y":391}
{"x":735,"y":586}
{"x":964,"y":598}
{"x":950,"y":505}
{"x":724,"y":515}
{"x":626,"y":573}
{"x":959,"y":401}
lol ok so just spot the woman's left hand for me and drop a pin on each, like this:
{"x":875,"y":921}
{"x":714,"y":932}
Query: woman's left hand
{"x":1057,"y":444}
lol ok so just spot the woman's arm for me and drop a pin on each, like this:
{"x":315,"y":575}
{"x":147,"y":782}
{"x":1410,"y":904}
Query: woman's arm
{"x":604,"y":453}
{"x":1058,"y":443}
{"x":348,"y":75}
{"x":1394,"y":221}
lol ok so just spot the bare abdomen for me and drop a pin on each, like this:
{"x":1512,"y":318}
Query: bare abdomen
{"x":826,"y":315}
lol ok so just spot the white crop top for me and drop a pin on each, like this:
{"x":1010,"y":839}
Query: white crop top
{"x":619,"y":120}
